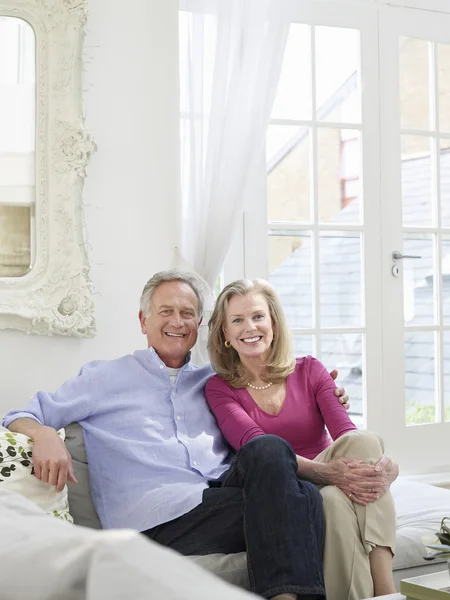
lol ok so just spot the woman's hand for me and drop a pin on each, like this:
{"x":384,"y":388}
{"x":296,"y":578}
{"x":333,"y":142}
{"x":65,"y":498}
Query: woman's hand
{"x":337,"y":472}
{"x":376,"y":478}
{"x":361,"y":482}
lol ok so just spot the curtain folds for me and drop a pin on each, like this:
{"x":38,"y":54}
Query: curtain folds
{"x":231,"y":53}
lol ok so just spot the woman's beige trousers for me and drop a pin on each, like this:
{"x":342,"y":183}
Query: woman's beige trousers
{"x":352,"y":530}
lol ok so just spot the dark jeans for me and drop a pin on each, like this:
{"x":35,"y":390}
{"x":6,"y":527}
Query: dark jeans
{"x":262,"y":508}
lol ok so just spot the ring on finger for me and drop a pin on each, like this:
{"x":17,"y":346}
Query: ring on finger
{"x":372,"y":491}
{"x":350,"y":495}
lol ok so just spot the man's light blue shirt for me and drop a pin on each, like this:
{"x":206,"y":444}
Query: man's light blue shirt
{"x":151,"y":446}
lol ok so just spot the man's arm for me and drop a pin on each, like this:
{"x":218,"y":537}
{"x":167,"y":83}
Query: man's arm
{"x":45,"y":414}
{"x":51,"y":459}
{"x":29,"y":427}
{"x":70,"y":403}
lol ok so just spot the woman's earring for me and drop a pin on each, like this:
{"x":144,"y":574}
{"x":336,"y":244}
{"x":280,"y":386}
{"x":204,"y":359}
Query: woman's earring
{"x":227,"y":344}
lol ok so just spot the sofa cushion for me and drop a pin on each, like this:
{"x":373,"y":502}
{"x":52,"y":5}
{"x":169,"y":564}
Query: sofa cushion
{"x":80,"y":500}
{"x":231,"y":567}
{"x":420,"y":508}
{"x":16,"y":475}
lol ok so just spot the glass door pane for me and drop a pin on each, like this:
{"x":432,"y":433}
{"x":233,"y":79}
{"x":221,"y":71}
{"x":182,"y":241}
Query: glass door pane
{"x":291,"y":272}
{"x":344,"y":351}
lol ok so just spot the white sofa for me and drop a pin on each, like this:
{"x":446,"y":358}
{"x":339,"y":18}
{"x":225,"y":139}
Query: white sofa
{"x":43,"y":558}
{"x":420,"y":508}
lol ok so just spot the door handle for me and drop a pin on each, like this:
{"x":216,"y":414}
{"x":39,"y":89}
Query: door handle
{"x":396,"y":255}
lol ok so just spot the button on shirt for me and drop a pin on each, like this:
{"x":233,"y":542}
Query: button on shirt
{"x":151,"y":446}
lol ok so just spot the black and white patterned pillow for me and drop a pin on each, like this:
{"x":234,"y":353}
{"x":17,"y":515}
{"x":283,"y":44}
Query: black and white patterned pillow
{"x":17,"y":475}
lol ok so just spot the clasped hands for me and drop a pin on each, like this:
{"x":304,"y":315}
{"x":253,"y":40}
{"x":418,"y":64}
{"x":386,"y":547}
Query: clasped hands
{"x":363,"y":483}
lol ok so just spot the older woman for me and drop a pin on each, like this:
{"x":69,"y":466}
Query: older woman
{"x":260,"y":389}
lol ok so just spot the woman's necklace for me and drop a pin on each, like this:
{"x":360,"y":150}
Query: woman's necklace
{"x":259,"y":387}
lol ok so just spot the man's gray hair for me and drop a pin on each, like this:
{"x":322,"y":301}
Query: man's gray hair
{"x":194,"y":281}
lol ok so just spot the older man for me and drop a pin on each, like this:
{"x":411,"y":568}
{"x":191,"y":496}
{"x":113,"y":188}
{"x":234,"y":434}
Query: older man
{"x":158,"y":463}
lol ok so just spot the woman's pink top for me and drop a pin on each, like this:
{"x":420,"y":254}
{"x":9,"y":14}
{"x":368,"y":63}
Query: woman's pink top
{"x":310,"y":406}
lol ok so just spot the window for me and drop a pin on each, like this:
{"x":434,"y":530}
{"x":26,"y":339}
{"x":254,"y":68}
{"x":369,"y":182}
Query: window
{"x":313,"y":195}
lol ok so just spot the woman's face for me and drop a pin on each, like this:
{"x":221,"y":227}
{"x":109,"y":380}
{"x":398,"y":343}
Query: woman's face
{"x":248,"y":325}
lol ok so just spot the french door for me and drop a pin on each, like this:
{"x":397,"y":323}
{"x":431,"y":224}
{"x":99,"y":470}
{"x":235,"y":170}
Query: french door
{"x":415,"y":200}
{"x":357,"y":168}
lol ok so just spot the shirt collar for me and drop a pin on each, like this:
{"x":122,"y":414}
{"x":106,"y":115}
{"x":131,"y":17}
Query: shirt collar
{"x":187,"y":360}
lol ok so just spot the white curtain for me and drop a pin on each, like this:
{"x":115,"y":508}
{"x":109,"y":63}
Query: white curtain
{"x":231,"y":53}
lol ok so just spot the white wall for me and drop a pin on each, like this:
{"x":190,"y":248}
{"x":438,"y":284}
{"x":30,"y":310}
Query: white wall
{"x":131,"y":106}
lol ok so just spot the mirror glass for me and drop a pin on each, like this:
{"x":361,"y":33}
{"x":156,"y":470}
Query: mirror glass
{"x":17,"y":146}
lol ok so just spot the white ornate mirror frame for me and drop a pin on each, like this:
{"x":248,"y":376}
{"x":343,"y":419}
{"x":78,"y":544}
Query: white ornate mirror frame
{"x":55,"y":296}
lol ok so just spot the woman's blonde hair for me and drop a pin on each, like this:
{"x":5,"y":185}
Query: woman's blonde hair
{"x":225,"y":361}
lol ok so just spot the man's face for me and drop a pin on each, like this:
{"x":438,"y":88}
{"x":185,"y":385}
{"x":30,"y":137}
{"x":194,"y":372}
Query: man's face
{"x":172,"y":324}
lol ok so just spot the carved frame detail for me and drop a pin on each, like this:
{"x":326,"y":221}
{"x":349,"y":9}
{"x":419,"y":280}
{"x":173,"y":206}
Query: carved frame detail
{"x":55,"y":296}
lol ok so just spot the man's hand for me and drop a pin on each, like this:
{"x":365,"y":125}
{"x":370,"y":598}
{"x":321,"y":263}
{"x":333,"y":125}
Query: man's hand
{"x":51,"y":459}
{"x":340,"y":392}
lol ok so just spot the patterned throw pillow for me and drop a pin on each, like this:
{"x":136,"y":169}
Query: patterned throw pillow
{"x":17,"y":475}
